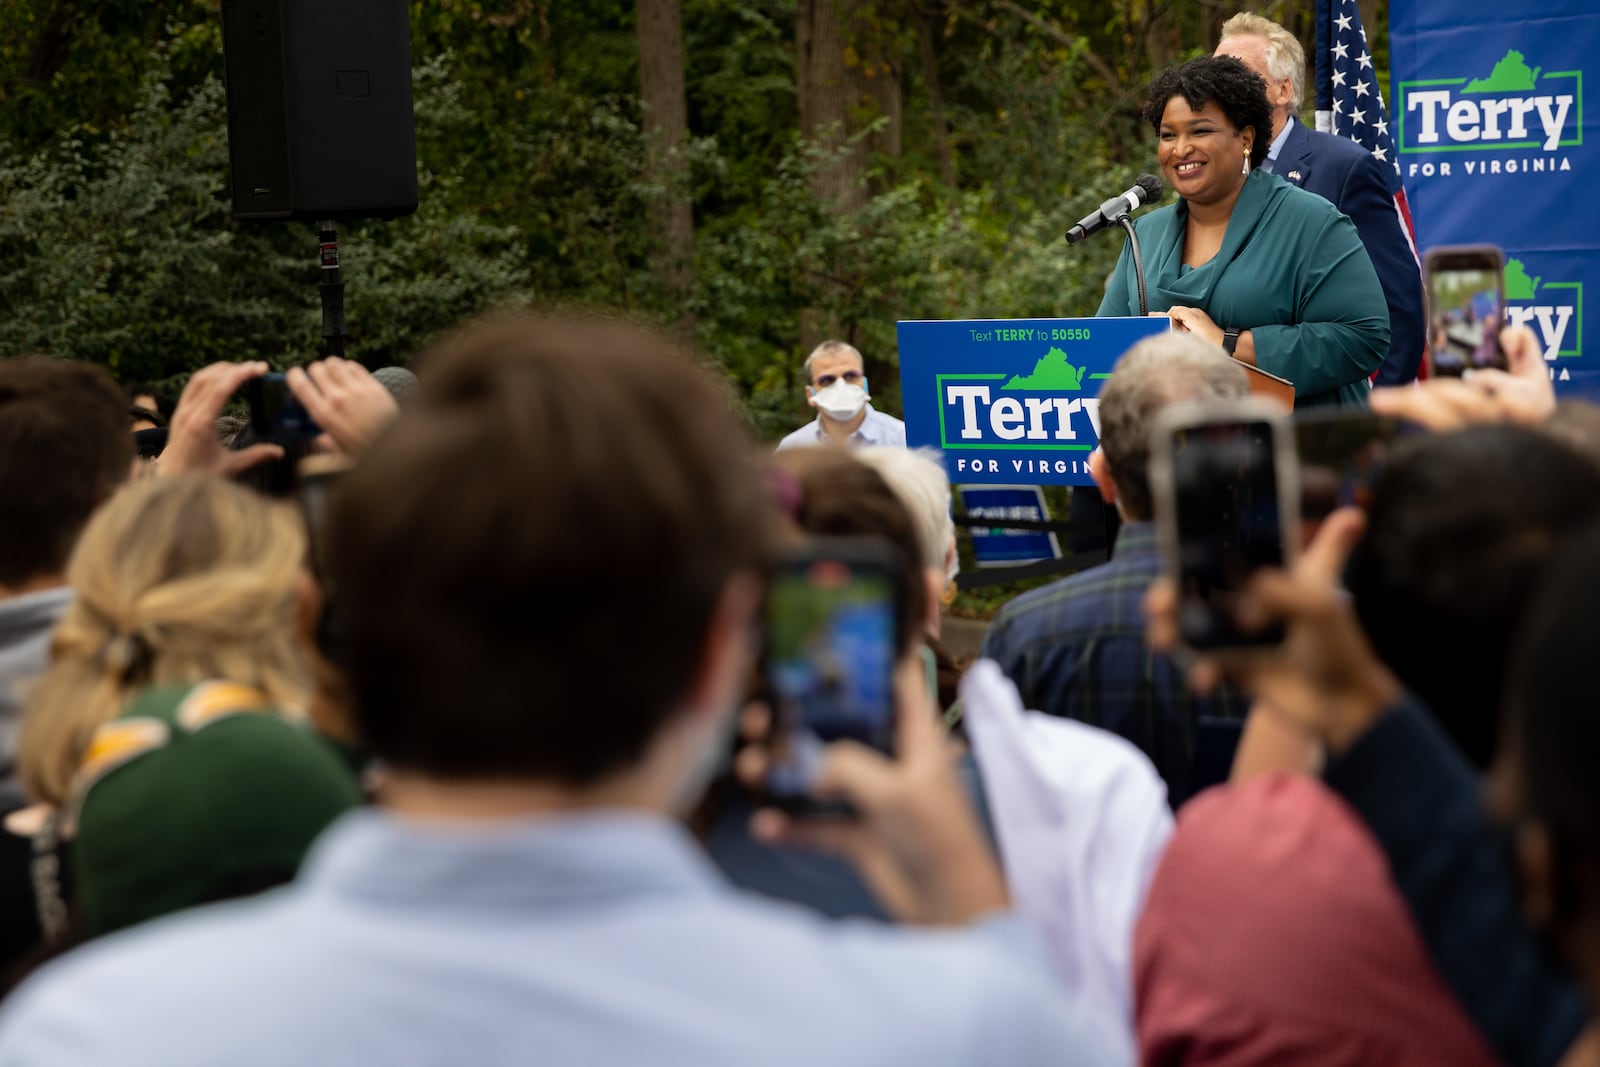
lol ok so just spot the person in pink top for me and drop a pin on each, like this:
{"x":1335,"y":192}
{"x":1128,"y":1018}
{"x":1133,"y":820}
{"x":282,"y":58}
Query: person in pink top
{"x":1272,"y":934}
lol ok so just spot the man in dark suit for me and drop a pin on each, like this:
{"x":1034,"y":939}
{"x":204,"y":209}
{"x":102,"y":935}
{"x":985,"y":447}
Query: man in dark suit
{"x":1341,"y":171}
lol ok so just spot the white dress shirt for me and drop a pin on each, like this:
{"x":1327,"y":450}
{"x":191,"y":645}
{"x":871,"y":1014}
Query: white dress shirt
{"x":1082,"y":819}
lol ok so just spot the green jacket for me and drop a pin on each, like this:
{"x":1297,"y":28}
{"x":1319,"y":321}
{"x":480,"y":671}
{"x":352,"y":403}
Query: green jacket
{"x":1292,"y":270}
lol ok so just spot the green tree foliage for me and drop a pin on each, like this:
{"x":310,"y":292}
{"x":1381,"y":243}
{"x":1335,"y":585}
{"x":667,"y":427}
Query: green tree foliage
{"x":120,"y":249}
{"x":116,"y":243}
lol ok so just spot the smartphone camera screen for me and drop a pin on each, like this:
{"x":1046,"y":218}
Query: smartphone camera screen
{"x":275,"y":414}
{"x":831,"y":647}
{"x":1466,"y":317}
{"x":1229,"y":525}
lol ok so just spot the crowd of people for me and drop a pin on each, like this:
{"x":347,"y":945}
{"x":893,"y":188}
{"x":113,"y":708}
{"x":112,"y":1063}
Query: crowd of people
{"x":471,"y":763}
{"x":442,"y":733}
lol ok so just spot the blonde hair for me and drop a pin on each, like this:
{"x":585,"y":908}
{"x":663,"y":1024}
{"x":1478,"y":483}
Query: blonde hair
{"x":175,"y":580}
{"x":918,"y":479}
{"x":1285,"y":57}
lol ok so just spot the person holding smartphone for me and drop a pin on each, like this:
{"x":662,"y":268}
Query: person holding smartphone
{"x":1274,"y":274}
{"x":550,"y":686}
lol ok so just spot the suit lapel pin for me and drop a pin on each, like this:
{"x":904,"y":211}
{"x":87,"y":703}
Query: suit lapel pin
{"x":1294,"y":175}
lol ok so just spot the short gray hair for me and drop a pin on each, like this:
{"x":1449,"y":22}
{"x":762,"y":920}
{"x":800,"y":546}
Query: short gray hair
{"x":918,"y":479}
{"x":831,"y":348}
{"x":1285,"y":56}
{"x":1154,"y":374}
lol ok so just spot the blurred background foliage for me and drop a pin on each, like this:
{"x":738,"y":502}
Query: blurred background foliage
{"x":752,"y":174}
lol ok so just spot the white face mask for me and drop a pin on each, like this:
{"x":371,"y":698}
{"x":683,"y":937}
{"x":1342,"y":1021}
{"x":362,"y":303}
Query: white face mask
{"x":841,"y":401}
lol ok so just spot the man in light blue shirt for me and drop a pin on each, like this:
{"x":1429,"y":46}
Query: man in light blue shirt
{"x":549,"y":677}
{"x":836,"y":385}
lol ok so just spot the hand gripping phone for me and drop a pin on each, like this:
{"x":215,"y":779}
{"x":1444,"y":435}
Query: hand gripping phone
{"x":832,"y":639}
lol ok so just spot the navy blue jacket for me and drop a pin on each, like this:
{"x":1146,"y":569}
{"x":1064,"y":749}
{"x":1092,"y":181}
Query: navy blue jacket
{"x":1342,"y":172}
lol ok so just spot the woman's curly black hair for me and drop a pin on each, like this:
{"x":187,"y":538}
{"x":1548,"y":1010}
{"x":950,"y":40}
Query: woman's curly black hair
{"x":1221,"y":80}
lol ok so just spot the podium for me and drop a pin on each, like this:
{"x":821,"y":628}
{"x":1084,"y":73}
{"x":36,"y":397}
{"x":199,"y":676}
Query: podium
{"x":1017,"y":401}
{"x":1269,"y":385}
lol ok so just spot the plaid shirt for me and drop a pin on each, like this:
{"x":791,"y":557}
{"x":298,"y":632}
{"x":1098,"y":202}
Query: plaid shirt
{"x":1076,"y":649}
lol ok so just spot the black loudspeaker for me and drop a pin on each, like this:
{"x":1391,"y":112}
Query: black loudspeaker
{"x":319,"y":109}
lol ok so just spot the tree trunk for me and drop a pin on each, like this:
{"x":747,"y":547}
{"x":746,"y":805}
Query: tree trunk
{"x":847,"y":79}
{"x":666,"y":124}
{"x":828,"y":93}
{"x":930,"y":78}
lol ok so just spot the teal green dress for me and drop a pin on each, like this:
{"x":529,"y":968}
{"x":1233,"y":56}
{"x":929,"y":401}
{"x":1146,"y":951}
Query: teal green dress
{"x":1291,"y":269}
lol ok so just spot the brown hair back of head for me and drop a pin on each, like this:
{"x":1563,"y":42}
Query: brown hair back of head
{"x":527,"y":563}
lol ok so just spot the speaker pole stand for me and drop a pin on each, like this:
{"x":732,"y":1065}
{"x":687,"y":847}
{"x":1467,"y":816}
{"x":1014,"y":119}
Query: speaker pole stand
{"x":332,"y":290}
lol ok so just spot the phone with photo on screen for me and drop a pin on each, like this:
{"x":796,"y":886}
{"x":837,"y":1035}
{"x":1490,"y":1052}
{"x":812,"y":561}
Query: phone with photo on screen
{"x":832,"y":638}
{"x":1466,"y":287}
{"x":1227,"y":501}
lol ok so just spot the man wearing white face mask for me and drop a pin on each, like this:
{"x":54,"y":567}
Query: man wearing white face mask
{"x":836,"y":385}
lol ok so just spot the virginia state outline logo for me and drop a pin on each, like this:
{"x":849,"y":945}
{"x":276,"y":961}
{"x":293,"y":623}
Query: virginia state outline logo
{"x":1514,"y":108}
{"x":1553,"y":310}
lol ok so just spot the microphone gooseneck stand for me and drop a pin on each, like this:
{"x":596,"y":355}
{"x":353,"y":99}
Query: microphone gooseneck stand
{"x":1138,"y":263}
{"x":331,"y":286}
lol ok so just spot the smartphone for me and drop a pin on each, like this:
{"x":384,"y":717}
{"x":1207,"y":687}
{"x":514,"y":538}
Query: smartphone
{"x":1227,"y":505}
{"x":1466,"y":287}
{"x":832,"y":638}
{"x":1341,"y":452}
{"x":275,"y":414}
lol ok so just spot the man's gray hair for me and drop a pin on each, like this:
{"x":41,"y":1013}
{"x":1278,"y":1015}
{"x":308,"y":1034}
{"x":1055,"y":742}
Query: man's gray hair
{"x":831,"y":348}
{"x":1285,"y":56}
{"x":918,"y":479}
{"x":1154,"y":374}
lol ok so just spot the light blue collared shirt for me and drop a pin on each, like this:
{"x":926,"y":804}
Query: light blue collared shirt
{"x":876,"y":429}
{"x":600,"y":940}
{"x":1270,"y":164}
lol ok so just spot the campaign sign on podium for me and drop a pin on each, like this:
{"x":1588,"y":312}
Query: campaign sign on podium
{"x":1012,"y":401}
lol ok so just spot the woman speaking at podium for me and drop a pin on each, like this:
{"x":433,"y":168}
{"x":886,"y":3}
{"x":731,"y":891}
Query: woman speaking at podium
{"x":1272,"y":273}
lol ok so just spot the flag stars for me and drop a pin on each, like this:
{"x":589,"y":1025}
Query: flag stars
{"x":1343,"y":21}
{"x":1382,"y":126}
{"x":1381,"y":154}
{"x":1338,"y":77}
{"x":1358,"y":116}
{"x":1365,"y":60}
{"x":1363,"y":88}
{"x":1341,"y":50}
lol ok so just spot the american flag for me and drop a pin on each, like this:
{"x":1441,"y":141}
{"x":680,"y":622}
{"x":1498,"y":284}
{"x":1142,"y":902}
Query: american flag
{"x":1349,"y":101}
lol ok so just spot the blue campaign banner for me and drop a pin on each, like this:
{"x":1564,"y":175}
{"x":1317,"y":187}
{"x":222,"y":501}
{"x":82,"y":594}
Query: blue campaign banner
{"x":1497,"y":144}
{"x":1001,"y":547}
{"x":1012,"y":401}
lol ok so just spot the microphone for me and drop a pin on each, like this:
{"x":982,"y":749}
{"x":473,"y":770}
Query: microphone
{"x":1147,"y":191}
